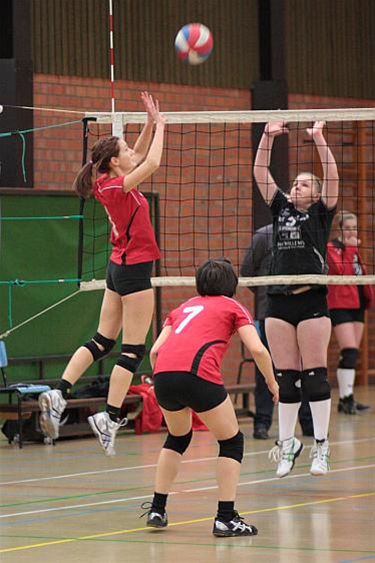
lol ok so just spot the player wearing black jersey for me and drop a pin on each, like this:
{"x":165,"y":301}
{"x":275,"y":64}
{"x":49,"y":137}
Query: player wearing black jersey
{"x":298,"y":326}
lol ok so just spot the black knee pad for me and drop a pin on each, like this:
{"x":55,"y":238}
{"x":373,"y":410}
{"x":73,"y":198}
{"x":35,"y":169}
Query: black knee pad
{"x":96,"y":352}
{"x":315,"y":384}
{"x":289,"y":381}
{"x":233,"y":447}
{"x":348,"y":358}
{"x":126,"y":362}
{"x":178,"y":444}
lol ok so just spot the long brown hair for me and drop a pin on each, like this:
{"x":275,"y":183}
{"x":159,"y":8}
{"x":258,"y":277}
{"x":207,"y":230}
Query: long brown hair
{"x":101,"y":155}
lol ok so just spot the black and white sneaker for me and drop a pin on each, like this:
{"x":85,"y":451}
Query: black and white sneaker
{"x":347,"y":405}
{"x":154,"y":519}
{"x":235,"y":527}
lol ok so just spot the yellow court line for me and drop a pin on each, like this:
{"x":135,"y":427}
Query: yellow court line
{"x":198,"y":520}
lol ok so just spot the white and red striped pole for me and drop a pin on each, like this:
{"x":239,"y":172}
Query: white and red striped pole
{"x":117,"y":125}
{"x":111,"y":57}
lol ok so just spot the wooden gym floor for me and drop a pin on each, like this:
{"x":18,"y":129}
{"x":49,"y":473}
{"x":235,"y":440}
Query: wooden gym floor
{"x":69,"y":503}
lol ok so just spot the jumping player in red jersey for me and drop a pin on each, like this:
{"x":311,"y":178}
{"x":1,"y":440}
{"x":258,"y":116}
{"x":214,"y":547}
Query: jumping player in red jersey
{"x":112,"y":176}
{"x":186,"y":359}
{"x":347,"y":305}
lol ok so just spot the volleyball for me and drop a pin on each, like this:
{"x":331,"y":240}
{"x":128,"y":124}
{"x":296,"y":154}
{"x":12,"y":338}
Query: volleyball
{"x":194,"y":43}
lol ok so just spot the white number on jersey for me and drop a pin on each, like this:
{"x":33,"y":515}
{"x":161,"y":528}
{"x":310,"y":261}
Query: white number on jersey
{"x":193,"y":312}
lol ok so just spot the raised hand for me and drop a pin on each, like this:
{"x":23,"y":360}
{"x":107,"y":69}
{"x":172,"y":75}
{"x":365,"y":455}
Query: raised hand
{"x":316,"y":130}
{"x":352,"y":240}
{"x":276,"y":128}
{"x":152,"y":108}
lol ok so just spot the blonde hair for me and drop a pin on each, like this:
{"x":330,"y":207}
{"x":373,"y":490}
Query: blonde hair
{"x":338,"y":222}
{"x":318,"y":184}
{"x":342,"y":216}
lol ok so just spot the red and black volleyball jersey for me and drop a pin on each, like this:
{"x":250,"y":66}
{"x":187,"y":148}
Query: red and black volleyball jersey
{"x":132,"y":235}
{"x":201,"y":330}
{"x":346,"y":260}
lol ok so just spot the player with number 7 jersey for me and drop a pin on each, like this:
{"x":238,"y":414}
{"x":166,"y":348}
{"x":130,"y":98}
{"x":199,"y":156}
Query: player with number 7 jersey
{"x":186,"y":359}
{"x":201,"y":330}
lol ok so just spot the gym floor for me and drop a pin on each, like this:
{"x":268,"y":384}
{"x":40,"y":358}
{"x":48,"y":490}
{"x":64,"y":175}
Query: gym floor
{"x":71,"y":503}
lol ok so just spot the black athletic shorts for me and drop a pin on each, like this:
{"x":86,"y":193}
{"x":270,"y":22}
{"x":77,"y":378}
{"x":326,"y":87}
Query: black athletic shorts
{"x":340,"y":316}
{"x":176,"y":390}
{"x":296,"y":308}
{"x":126,"y":279}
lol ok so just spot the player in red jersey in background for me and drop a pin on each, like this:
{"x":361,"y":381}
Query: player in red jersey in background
{"x":186,"y":359}
{"x":347,"y":305}
{"x":112,"y":176}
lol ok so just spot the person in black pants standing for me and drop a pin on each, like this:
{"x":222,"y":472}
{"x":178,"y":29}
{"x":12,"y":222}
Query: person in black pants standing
{"x":257,"y":263}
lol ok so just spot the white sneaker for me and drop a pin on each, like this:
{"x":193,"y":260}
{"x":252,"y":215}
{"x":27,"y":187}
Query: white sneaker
{"x":52,"y":404}
{"x":285,"y":453}
{"x":105,"y":430}
{"x":320,"y":453}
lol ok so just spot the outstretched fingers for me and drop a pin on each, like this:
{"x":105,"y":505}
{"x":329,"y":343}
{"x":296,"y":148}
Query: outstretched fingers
{"x":276,"y":128}
{"x":152,"y":108}
{"x":316,"y":129}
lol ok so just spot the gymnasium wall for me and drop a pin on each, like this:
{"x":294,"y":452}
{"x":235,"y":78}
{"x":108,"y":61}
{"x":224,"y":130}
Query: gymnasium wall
{"x":329,"y":44}
{"x":71,"y":38}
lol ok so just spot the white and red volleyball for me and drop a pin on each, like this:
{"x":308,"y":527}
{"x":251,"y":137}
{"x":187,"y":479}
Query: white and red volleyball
{"x":194,"y":43}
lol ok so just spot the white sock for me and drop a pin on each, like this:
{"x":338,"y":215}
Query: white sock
{"x":345,"y":380}
{"x":288,"y":413}
{"x":320,"y":411}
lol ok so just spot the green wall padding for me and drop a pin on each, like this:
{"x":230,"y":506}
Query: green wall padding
{"x":45,"y":250}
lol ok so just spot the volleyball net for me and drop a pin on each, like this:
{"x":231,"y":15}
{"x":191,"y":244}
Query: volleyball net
{"x":203,"y":194}
{"x":202,"y":198}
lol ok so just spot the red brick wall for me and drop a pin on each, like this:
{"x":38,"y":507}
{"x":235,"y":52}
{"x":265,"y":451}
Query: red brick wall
{"x":58,"y":151}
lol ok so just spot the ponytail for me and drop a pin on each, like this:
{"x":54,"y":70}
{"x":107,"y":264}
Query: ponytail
{"x":82,"y":184}
{"x":101,"y":154}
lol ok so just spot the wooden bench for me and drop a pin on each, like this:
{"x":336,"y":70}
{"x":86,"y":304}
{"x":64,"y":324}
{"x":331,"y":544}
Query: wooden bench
{"x":23,"y":408}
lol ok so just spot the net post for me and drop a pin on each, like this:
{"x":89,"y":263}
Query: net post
{"x":117,"y":125}
{"x":158,"y":296}
{"x":360,"y":144}
{"x":85,"y":143}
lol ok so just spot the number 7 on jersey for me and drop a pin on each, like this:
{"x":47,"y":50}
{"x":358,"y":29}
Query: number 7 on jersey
{"x":192,"y":312}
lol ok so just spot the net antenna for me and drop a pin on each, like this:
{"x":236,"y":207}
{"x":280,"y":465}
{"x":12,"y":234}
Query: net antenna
{"x":117,"y":129}
{"x":204,"y":186}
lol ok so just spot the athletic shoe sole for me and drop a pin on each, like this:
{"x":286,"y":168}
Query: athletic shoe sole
{"x":231,"y":534}
{"x":156,"y":526}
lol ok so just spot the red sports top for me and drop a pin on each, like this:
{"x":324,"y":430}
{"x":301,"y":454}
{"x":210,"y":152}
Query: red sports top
{"x":346,"y":260}
{"x":201,"y":330}
{"x":132,"y":235}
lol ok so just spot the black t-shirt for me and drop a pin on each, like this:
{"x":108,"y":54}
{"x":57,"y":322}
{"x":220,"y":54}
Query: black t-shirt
{"x":299,"y":239}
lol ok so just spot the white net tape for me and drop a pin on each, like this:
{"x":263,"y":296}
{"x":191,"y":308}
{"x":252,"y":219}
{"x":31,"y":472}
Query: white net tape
{"x":306,"y":279}
{"x":258,"y":116}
